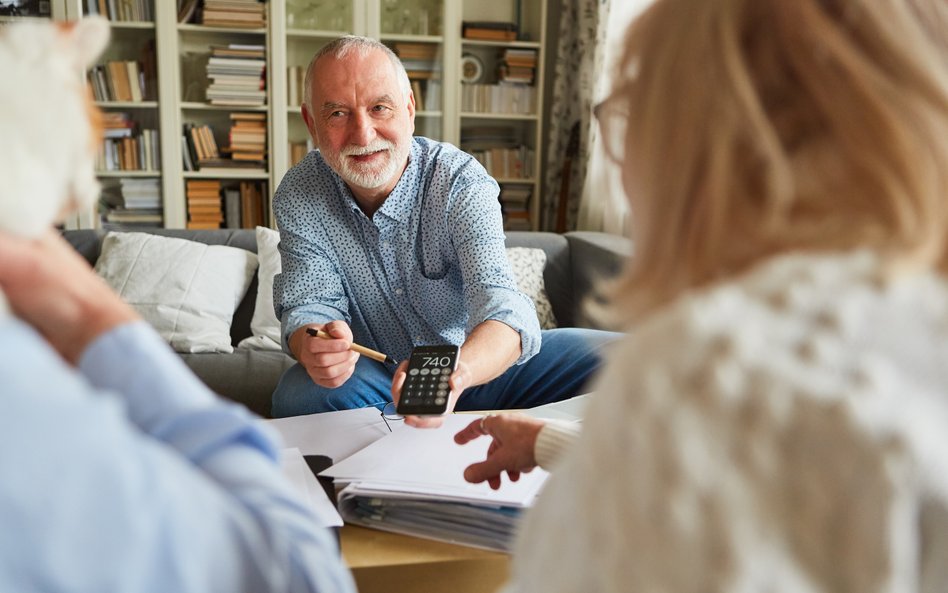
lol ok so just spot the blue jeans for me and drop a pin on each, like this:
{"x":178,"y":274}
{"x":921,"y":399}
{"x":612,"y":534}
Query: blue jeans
{"x":567,"y":359}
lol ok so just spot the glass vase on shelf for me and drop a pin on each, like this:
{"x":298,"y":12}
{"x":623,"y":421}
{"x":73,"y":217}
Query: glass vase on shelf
{"x":411,"y":17}
{"x":322,"y":15}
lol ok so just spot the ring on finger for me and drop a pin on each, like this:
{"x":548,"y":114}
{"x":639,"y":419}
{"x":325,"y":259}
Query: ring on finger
{"x":483,"y":424}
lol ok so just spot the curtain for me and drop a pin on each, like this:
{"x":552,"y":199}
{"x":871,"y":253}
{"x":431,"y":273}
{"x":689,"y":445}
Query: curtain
{"x":603,"y":205}
{"x":579,"y":59}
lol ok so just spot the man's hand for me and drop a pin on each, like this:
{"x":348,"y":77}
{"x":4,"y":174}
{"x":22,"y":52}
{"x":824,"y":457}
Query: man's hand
{"x":329,"y":363}
{"x":511,"y":451}
{"x":459,"y":381}
{"x":51,"y":287}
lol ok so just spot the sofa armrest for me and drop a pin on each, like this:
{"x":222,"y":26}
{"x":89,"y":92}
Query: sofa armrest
{"x":594,"y":258}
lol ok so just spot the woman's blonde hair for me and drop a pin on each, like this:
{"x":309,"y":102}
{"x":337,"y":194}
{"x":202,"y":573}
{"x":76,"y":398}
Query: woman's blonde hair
{"x":758,"y":127}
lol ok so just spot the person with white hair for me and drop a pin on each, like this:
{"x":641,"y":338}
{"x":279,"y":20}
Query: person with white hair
{"x":394,"y":241}
{"x":122,"y":471}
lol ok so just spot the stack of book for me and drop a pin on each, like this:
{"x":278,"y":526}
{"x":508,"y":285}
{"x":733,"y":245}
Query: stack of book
{"x":117,"y":81}
{"x":517,"y":66}
{"x":499,"y":150}
{"x":237,"y":76}
{"x":125,"y":147}
{"x":119,"y":10}
{"x":133,"y":203}
{"x":424,"y":71}
{"x":515,"y":206}
{"x":200,"y":147}
{"x":420,"y":59}
{"x":243,"y":14}
{"x":506,"y":163}
{"x":519,"y":99}
{"x":248,"y":139}
{"x":489,"y":30}
{"x":204,"y":203}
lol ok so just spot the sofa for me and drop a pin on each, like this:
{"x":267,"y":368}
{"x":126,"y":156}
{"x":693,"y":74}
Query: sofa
{"x":576,"y":262}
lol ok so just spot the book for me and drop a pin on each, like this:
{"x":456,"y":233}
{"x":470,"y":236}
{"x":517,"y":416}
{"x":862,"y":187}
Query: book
{"x":232,"y":208}
{"x":489,"y":30}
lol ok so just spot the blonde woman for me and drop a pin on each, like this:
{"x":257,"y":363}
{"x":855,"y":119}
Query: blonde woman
{"x":777,"y":419}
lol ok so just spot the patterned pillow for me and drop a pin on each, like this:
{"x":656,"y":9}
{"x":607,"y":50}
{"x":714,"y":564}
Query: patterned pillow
{"x":527,"y":264}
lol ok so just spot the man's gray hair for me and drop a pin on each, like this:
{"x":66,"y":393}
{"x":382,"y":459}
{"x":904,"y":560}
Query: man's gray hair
{"x":342,"y":47}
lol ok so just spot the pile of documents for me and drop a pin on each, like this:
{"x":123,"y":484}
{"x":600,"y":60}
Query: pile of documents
{"x":412,"y":482}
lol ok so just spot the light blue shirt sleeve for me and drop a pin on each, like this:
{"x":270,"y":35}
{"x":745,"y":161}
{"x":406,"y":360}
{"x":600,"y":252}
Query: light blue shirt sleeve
{"x":132,"y":476}
{"x":490,"y":291}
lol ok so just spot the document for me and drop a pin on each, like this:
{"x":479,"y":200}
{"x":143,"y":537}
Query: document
{"x":411,"y":481}
{"x":336,"y":435}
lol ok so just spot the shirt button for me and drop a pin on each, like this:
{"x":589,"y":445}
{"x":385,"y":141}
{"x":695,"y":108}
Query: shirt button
{"x":386,"y":244}
{"x":418,"y":339}
{"x":399,"y":291}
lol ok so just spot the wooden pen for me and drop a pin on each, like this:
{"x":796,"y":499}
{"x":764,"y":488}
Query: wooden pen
{"x":373,"y":354}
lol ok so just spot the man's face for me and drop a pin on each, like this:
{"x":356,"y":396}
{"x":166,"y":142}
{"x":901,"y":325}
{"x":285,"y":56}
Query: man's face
{"x":361,"y":120}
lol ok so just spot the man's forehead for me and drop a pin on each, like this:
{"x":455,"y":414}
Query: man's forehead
{"x":339,"y":80}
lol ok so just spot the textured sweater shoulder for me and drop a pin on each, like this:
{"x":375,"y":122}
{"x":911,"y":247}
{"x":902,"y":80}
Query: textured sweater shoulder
{"x":785,"y":431}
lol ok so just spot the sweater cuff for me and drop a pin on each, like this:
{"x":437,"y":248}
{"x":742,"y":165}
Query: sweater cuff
{"x":554,"y":438}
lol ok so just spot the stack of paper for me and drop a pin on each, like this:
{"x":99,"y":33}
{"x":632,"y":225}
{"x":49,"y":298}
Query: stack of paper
{"x":411,"y":481}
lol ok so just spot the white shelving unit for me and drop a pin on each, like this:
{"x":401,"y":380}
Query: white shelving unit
{"x":295,"y":30}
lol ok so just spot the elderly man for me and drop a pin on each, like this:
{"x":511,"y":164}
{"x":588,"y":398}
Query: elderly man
{"x":393,"y":241}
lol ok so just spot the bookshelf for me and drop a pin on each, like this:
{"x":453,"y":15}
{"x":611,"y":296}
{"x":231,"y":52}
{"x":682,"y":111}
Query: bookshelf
{"x":503,"y":131}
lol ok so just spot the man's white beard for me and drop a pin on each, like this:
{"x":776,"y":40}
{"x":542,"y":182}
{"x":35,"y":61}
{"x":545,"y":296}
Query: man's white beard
{"x":368,"y":176}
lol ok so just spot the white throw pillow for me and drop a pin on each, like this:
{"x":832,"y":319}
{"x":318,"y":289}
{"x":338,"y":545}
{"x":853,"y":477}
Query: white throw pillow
{"x":187,"y":290}
{"x":264,"y":325}
{"x":527,"y":264}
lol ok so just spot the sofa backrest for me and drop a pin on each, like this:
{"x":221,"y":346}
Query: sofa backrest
{"x":567,"y":281}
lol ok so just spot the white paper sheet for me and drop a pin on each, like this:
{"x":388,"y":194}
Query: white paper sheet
{"x":295,"y":469}
{"x":428,"y":462}
{"x":336,"y":435}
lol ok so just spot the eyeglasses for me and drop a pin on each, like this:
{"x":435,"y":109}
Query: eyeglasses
{"x":390,"y":415}
{"x":613,"y":118}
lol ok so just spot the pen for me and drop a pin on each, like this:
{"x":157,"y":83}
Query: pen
{"x":374,"y":355}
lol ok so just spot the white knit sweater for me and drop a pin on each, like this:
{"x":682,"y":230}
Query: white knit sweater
{"x":784,"y":432}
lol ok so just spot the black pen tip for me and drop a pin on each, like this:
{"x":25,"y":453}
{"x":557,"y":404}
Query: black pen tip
{"x":390,"y":360}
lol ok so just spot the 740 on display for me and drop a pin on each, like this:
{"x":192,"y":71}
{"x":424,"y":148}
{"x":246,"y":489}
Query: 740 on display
{"x":426,"y":386}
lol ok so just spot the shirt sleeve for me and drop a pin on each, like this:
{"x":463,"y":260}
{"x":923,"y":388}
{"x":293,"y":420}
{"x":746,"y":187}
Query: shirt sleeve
{"x":309,"y":287}
{"x":490,"y":290}
{"x":131,"y":459}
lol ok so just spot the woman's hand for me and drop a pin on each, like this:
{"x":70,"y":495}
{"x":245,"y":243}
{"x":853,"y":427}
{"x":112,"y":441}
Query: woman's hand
{"x":511,"y":451}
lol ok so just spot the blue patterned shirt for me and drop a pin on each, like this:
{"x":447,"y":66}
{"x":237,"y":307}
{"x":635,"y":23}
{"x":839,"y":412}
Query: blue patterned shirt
{"x":426,"y":268}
